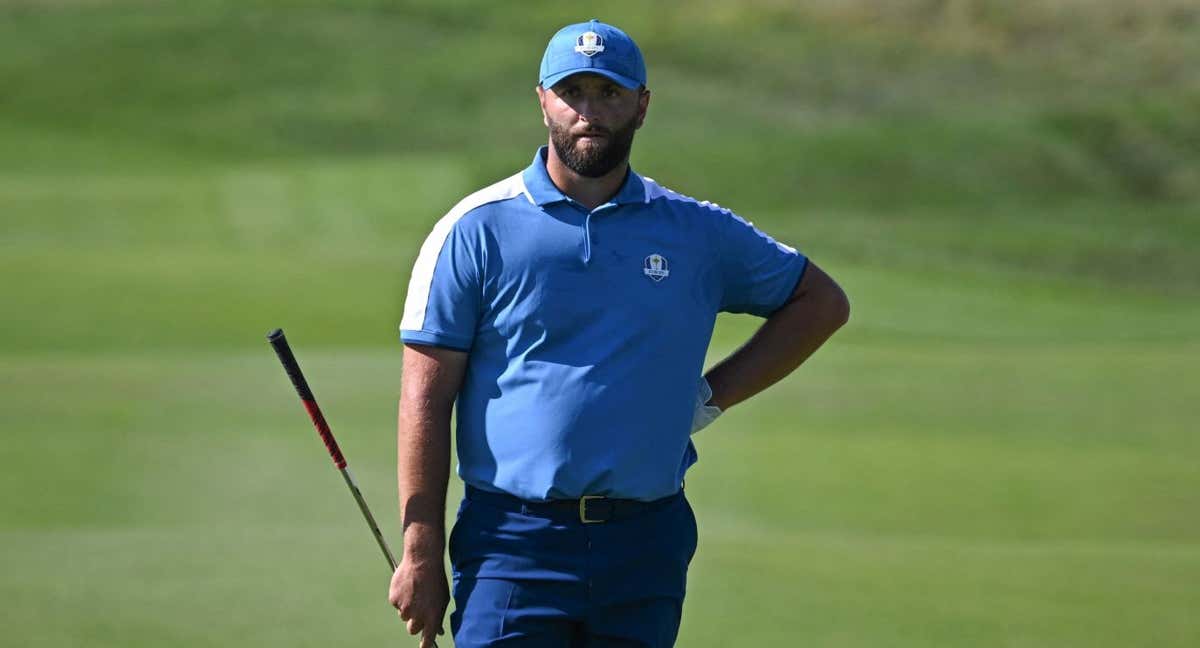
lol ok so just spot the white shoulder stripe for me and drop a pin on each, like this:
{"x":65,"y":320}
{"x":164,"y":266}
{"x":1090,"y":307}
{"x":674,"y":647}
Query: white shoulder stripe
{"x":655,"y":190}
{"x":422,"y":275}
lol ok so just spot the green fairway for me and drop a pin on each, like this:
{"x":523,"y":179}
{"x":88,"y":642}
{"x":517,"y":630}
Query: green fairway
{"x":999,"y":450}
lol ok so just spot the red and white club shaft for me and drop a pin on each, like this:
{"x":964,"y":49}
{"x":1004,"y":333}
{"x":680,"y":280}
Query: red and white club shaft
{"x":280,"y":344}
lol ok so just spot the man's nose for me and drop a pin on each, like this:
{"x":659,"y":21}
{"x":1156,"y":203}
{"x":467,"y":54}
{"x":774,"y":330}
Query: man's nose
{"x":586,"y":108}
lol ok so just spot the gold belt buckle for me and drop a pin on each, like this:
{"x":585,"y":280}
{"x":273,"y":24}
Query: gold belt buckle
{"x":583,"y":509}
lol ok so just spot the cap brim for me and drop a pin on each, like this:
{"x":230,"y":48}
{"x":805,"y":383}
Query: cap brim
{"x":625,"y":81}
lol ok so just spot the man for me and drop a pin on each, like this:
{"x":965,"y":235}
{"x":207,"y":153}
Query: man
{"x":568,"y":310}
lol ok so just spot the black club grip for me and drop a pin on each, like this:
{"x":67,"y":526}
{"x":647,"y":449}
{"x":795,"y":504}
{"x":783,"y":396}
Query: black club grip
{"x":280,"y":344}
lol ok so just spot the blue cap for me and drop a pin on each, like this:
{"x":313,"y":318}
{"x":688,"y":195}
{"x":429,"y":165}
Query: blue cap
{"x":593,"y":47}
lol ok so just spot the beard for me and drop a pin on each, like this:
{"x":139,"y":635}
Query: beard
{"x":599,"y":157}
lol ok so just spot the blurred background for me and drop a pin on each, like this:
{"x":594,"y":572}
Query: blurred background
{"x":1001,"y":449}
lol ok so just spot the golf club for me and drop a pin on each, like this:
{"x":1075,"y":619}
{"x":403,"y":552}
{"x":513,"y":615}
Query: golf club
{"x":280,"y":344}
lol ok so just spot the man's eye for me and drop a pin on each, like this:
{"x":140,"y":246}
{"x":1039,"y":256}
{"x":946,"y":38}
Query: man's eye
{"x":610,"y":92}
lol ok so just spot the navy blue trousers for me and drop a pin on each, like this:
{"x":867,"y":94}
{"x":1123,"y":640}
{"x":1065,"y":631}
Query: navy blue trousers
{"x":551,"y":581}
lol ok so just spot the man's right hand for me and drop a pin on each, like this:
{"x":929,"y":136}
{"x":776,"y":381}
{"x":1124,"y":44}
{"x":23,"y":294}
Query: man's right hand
{"x":420,"y":593}
{"x":431,"y":381}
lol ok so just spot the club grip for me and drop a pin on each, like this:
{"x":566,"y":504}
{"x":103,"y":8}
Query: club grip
{"x":280,"y":344}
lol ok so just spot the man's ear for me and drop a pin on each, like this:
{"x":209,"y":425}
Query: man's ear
{"x":643,"y":105}
{"x":541,"y":94}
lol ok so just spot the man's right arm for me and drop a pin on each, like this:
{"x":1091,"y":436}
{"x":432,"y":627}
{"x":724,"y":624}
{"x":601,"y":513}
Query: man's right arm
{"x":431,"y":379}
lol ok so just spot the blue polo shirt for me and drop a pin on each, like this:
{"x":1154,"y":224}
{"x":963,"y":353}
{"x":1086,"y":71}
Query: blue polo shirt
{"x":586,"y":330}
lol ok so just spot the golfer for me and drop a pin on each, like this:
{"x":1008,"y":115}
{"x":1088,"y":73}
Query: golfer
{"x":567,"y":311}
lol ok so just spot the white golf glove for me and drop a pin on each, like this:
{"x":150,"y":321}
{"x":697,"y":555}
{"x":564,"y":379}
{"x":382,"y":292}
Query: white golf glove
{"x":704,"y":413}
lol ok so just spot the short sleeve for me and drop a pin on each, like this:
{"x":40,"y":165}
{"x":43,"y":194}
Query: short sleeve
{"x":758,"y":273}
{"x":442,"y":306}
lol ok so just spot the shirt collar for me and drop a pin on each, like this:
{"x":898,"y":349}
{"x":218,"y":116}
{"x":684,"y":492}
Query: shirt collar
{"x":543,"y":192}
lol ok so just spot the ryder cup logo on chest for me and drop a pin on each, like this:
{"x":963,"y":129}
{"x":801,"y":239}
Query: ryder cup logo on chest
{"x":655,"y":267}
{"x":589,"y":44}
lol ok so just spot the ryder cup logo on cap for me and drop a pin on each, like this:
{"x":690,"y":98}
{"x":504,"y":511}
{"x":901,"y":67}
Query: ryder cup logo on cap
{"x":589,"y":44}
{"x":593,"y":47}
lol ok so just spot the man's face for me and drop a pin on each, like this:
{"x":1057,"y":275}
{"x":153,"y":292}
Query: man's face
{"x":592,"y":120}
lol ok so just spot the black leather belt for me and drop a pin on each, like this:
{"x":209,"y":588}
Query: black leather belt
{"x":589,"y":509}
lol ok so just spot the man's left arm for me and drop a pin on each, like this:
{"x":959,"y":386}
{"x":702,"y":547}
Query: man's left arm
{"x":816,"y":309}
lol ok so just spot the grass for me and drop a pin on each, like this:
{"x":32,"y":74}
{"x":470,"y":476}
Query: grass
{"x":997,"y":451}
